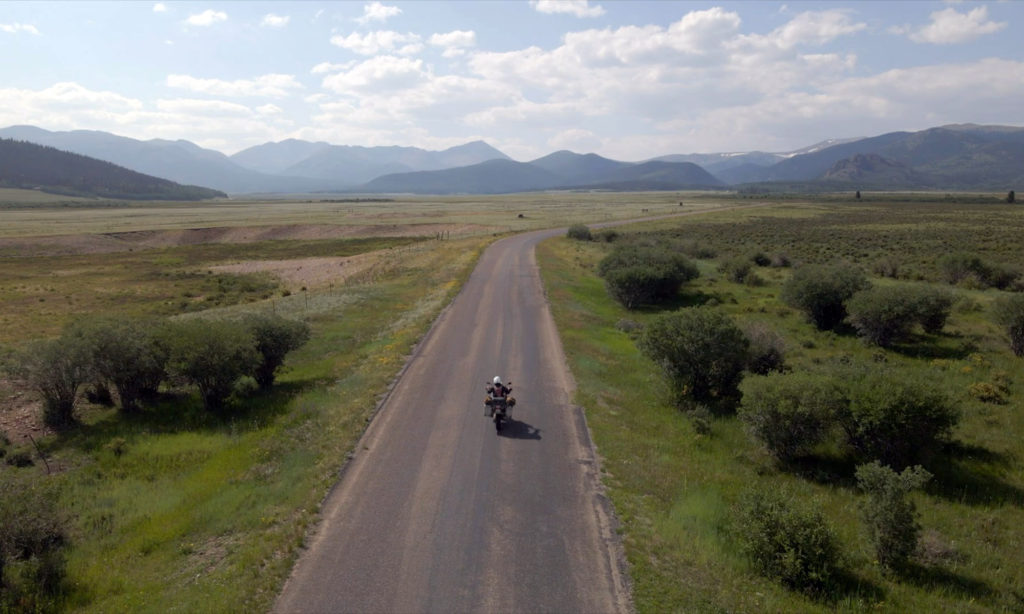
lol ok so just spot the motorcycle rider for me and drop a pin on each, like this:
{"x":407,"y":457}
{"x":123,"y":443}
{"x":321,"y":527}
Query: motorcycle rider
{"x":497,"y":389}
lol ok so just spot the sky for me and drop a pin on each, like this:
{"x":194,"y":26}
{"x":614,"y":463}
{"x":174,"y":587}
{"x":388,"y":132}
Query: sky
{"x":626,"y":79}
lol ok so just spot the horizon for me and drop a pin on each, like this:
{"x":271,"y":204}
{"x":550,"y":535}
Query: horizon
{"x":623,"y":80}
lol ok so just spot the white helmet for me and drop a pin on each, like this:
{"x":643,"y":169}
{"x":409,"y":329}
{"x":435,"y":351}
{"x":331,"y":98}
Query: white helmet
{"x":497,"y":380}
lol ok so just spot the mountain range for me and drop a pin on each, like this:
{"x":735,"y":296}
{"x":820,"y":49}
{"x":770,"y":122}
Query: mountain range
{"x":30,"y":166}
{"x":963,"y":156}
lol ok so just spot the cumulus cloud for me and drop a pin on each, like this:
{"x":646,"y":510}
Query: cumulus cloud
{"x":579,"y":8}
{"x":326,"y":67}
{"x":206,"y":18}
{"x":376,"y":11}
{"x":272,"y":85}
{"x":455,"y":42}
{"x":378,"y":74}
{"x":271,"y":20}
{"x":373,"y":43}
{"x":949,"y":26}
{"x":159,"y":7}
{"x":14,"y":28}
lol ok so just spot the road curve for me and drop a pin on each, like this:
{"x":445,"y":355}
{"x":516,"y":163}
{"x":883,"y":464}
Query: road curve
{"x":438,"y":513}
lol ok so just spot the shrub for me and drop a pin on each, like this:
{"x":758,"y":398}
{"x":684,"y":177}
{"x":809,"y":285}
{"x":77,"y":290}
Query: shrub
{"x":1008,"y":312}
{"x":895,"y":418}
{"x":821,"y":292}
{"x":125,"y":352}
{"x":211,"y":354}
{"x":56,"y":369}
{"x":698,"y":250}
{"x":957,"y":266}
{"x":275,"y":337}
{"x":701,"y":351}
{"x":607,"y":235}
{"x":790,"y":413}
{"x":32,"y":538}
{"x":890,"y":517}
{"x":760,"y":259}
{"x":736,"y":269}
{"x":766,"y":349}
{"x":787,"y":542}
{"x":883,"y":314}
{"x":637,"y":274}
{"x":933,"y":308}
{"x":579,"y":232}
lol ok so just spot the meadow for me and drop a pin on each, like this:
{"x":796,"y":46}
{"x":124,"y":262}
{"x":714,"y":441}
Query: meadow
{"x":677,"y":480}
{"x":176,"y":508}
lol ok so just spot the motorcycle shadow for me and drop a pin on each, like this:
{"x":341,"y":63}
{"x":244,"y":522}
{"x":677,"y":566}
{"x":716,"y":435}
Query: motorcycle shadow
{"x":514,"y":429}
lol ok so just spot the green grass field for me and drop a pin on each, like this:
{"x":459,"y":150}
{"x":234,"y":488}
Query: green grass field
{"x":675,"y":488}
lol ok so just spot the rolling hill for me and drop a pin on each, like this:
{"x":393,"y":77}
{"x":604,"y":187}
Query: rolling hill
{"x":31,"y":166}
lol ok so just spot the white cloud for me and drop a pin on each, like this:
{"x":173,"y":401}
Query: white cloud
{"x":455,"y":42}
{"x":159,"y":7}
{"x":373,"y":43}
{"x":14,"y":28}
{"x":579,"y":8}
{"x":575,"y":139}
{"x":376,"y":11}
{"x":209,"y":108}
{"x":271,"y":85}
{"x":382,"y":73}
{"x":269,"y":109}
{"x":326,"y":67}
{"x":275,"y":21}
{"x":949,"y":26}
{"x":206,"y":18}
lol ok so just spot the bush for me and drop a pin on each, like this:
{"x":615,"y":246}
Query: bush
{"x":883,"y":314}
{"x":32,"y":538}
{"x":608,"y":235}
{"x":637,"y":274}
{"x":887,"y":266}
{"x":736,"y":269}
{"x":786,"y":542}
{"x":275,"y":337}
{"x":579,"y":232}
{"x":1008,"y":312}
{"x":127,"y":353}
{"x":56,"y":369}
{"x":701,"y":350}
{"x":890,"y":517}
{"x":822,"y":291}
{"x":956,"y":267}
{"x":895,"y":418}
{"x":933,"y":308}
{"x":211,"y":354}
{"x":766,"y":350}
{"x":790,"y":413}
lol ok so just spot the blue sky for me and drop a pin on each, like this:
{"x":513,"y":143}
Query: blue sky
{"x":629,"y":80}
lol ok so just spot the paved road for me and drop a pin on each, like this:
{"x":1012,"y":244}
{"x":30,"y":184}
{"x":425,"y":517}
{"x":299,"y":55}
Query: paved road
{"x":437,"y":512}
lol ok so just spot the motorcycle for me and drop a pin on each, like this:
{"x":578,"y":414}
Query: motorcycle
{"x":498,"y":407}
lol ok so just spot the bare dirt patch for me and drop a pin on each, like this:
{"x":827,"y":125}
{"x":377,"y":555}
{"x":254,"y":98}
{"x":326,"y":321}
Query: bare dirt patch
{"x":305,"y":272}
{"x":155,"y":239}
{"x":21,"y":413}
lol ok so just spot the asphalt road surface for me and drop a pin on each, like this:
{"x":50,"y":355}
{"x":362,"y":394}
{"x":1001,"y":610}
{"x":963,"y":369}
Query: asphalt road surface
{"x":437,"y":512}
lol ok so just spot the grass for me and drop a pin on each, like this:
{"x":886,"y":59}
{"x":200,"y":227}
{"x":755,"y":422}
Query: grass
{"x":41,"y":293}
{"x":674,"y":486}
{"x":177,"y":510}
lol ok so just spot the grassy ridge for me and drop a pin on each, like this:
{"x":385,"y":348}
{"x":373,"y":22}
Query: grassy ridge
{"x":674,"y":488}
{"x":175,"y":510}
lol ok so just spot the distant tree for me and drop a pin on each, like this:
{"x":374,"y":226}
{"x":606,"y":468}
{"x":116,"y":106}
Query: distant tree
{"x":822,"y":291}
{"x":702,"y":352}
{"x":1011,"y":197}
{"x":857,"y":195}
{"x":275,"y":337}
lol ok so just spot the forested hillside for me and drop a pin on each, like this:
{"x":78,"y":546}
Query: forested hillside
{"x":31,"y":166}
